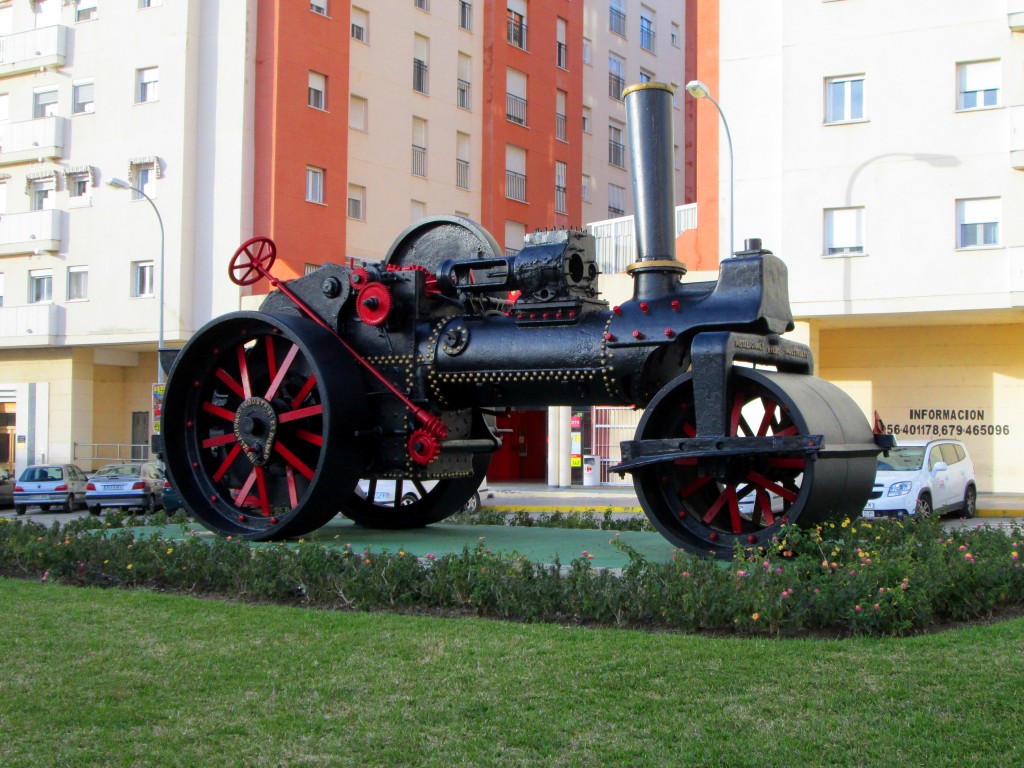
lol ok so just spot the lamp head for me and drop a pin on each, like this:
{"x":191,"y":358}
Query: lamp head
{"x":697,"y":89}
{"x":118,"y":184}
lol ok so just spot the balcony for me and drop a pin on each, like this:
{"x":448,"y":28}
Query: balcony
{"x":28,"y":51}
{"x":517,"y":33}
{"x":562,"y":56}
{"x":1016,"y":137}
{"x":419,"y":75}
{"x":32,"y":232}
{"x":419,"y":161}
{"x":560,"y":200}
{"x":465,"y":95}
{"x":616,"y":84}
{"x":1015,"y":15}
{"x":30,"y":325}
{"x":462,"y":174}
{"x":560,"y":127}
{"x":31,"y":140}
{"x":515,"y":109}
{"x":617,"y":154}
{"x":617,"y":21}
{"x":515,"y":186}
{"x":647,"y":38}
{"x":465,"y":16}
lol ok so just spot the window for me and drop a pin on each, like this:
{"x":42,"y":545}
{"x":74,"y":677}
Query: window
{"x":616,"y":201}
{"x":85,"y":10}
{"x":844,"y":99}
{"x":419,"y":147}
{"x":44,"y":102}
{"x":79,"y":186}
{"x":516,"y":23}
{"x":844,"y":231}
{"x":561,"y":50}
{"x":78,"y":283}
{"x":419,"y":64}
{"x":82,"y":97}
{"x":587,"y":122}
{"x":314,"y":185}
{"x":561,"y":170}
{"x":560,"y":97}
{"x":1,"y":289}
{"x":4,"y":107}
{"x":978,"y":84}
{"x":645,"y":76}
{"x":358,"y":112}
{"x":616,"y":76}
{"x":675,"y":95}
{"x":585,"y":194}
{"x":423,"y":5}
{"x":147,"y":84}
{"x":150,"y":3}
{"x":357,"y":202}
{"x":978,"y":222}
{"x":142,"y":279}
{"x":309,"y":268}
{"x":41,"y":193}
{"x":617,"y":17}
{"x":515,"y":237}
{"x":360,"y":25}
{"x":143,"y":176}
{"x":674,"y":32}
{"x":318,"y":6}
{"x":515,"y":173}
{"x":417,"y":210}
{"x":588,"y":51}
{"x":466,"y":15}
{"x":317,"y":93}
{"x":464,"y":92}
{"x":515,"y":96}
{"x":462,"y":155}
{"x":646,"y":30}
{"x":40,"y":286}
{"x":616,"y":149}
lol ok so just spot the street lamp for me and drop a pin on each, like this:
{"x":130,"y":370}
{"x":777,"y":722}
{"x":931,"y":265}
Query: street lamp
{"x":121,"y":184}
{"x":698,"y":90}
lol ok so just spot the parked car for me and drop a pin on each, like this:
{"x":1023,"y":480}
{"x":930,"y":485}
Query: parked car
{"x":6,"y":488}
{"x":171,"y":500}
{"x":384,"y":493}
{"x":125,"y":485}
{"x":50,"y":485}
{"x":920,"y":477}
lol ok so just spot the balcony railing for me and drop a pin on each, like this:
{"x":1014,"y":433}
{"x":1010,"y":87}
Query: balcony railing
{"x":517,"y":33}
{"x":466,"y":15}
{"x":647,"y":38}
{"x":511,"y":251}
{"x":462,"y":174}
{"x":617,"y":21}
{"x":31,"y":232}
{"x":465,"y":96}
{"x":560,"y":127}
{"x":615,"y":248}
{"x":616,"y":83}
{"x":30,"y":140}
{"x":419,"y":75}
{"x":560,"y":200}
{"x":419,"y":161}
{"x":515,"y":109}
{"x":562,"y":55}
{"x":28,"y":51}
{"x":617,"y":154}
{"x":30,"y":324}
{"x":515,"y":186}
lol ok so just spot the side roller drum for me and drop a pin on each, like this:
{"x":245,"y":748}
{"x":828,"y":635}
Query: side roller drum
{"x":260,"y":424}
{"x":707,"y":504}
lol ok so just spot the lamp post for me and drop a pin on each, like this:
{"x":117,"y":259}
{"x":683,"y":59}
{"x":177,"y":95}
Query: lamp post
{"x":121,"y":184}
{"x":698,"y":90}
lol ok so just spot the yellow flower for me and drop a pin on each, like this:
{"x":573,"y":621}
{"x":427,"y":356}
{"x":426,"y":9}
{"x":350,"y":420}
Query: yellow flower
{"x":170,"y":550}
{"x":129,"y":566}
{"x":756,"y":616}
{"x":846,"y":523}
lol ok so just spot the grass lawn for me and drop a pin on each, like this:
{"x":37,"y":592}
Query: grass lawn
{"x":131,"y":678}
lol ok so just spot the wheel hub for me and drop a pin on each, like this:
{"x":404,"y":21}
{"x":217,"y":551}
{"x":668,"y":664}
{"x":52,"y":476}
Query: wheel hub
{"x":256,"y":429}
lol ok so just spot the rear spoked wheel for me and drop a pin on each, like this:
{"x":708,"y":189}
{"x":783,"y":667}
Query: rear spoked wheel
{"x":260,"y":420}
{"x":707,"y":505}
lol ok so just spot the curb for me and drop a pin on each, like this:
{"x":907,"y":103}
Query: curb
{"x":635,"y":510}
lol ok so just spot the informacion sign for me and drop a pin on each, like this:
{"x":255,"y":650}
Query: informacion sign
{"x":947,"y":422}
{"x":158,"y":406}
{"x":576,"y":437}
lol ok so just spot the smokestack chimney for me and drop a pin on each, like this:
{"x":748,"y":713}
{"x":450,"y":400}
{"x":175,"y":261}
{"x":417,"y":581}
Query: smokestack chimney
{"x":649,"y":123}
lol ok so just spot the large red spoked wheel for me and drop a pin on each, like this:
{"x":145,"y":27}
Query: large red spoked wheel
{"x":707,"y":505}
{"x":252,"y":261}
{"x":260,"y":419}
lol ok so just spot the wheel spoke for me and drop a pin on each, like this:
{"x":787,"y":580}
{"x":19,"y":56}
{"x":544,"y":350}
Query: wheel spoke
{"x":243,"y":372}
{"x":217,"y":410}
{"x":214,"y":442}
{"x":282,"y":372}
{"x":694,"y":485}
{"x":229,"y":380}
{"x":734,"y":417}
{"x":271,"y":358}
{"x":300,"y":413}
{"x":293,"y":494}
{"x":783,"y":462}
{"x":243,"y":492}
{"x":294,"y":460}
{"x":226,"y":464}
{"x":261,"y":485}
{"x":309,"y":437}
{"x":304,"y":392}
{"x":768,"y":419}
{"x":763,"y":507}
{"x":779,"y":490}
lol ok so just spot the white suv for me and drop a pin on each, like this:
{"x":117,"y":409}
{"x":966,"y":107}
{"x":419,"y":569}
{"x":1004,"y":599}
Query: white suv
{"x":918,"y":477}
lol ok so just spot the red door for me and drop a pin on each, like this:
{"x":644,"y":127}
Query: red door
{"x":523,"y":455}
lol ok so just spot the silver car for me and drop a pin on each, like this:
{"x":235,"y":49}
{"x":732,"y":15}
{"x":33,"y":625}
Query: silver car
{"x":126,"y":485}
{"x":50,"y":485}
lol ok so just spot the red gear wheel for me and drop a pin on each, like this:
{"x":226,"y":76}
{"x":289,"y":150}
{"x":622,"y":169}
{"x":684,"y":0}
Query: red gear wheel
{"x":431,"y":280}
{"x":374,"y":304}
{"x":423,"y":447}
{"x":359,"y":279}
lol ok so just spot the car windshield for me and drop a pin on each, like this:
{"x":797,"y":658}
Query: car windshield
{"x":42,"y":474}
{"x":119,"y":469}
{"x":906,"y":458}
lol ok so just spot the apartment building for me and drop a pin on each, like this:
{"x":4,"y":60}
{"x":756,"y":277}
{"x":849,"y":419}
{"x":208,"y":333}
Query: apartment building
{"x":156,"y":94}
{"x":879,"y":150}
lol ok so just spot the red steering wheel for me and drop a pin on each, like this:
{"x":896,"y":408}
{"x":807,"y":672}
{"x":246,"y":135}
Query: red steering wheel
{"x":252,"y":261}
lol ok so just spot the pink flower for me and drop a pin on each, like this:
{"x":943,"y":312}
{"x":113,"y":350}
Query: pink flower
{"x":817,"y":591}
{"x":779,"y":569}
{"x":430,"y":557}
{"x":877,"y":607}
{"x":857,"y":608}
{"x":46,"y":575}
{"x":853,"y":573}
{"x":686,"y":574}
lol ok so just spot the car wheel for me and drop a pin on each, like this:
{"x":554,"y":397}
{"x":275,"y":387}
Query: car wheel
{"x":20,"y":509}
{"x":151,"y":505}
{"x":94,"y":510}
{"x":924,"y":505}
{"x":409,"y":498}
{"x":970,"y":506}
{"x":472,"y":505}
{"x":69,"y":505}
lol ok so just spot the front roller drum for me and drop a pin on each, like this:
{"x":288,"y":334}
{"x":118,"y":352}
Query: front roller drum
{"x":260,"y":424}
{"x":708,"y":504}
